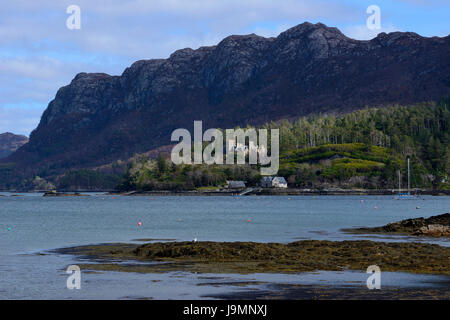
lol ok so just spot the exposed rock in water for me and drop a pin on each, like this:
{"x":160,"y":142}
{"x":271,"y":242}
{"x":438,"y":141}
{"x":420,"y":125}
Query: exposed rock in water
{"x":252,"y":257}
{"x":436,"y":230}
{"x":64,"y":194}
{"x":436,"y":226}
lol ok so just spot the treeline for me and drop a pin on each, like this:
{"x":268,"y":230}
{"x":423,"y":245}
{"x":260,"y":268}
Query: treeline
{"x":365,"y":148}
{"x":85,"y":179}
{"x":420,"y":132}
{"x":160,"y":174}
{"x":404,"y":129}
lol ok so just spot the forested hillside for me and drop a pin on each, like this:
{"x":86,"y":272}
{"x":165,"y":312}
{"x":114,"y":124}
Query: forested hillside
{"x":362,"y":149}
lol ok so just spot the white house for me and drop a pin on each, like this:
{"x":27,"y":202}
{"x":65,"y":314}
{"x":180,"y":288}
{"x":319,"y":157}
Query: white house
{"x":279,"y":182}
{"x":273,"y":182}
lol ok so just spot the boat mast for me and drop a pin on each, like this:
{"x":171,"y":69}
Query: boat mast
{"x":409,"y":186}
{"x":399,"y":182}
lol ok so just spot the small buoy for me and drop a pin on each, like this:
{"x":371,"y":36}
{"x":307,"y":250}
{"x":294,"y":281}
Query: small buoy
{"x":249,"y":220}
{"x":374,"y":207}
{"x":361,"y":201}
{"x":9,"y":229}
{"x":417,"y":207}
{"x":139,"y":224}
{"x":112,"y":198}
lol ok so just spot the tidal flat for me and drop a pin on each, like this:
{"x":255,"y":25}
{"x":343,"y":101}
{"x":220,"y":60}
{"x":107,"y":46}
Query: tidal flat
{"x":41,"y":224}
{"x":254,"y":257}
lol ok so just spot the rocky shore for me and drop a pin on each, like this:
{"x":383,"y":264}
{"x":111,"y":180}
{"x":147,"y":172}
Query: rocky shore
{"x":277,"y":192}
{"x":436,"y":226}
{"x":283,"y":291}
{"x":64,"y":194}
{"x":252,"y":257}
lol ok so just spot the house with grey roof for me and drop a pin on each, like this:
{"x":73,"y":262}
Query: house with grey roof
{"x":273,"y":182}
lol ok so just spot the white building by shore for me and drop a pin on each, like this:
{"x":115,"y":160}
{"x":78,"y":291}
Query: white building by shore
{"x":273,"y":182}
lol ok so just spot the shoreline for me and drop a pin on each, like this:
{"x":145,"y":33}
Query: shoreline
{"x":257,"y":192}
{"x":285,"y":291}
{"x":278,"y":192}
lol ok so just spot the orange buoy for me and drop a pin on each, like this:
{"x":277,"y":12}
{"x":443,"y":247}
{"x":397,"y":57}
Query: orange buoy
{"x":139,"y":224}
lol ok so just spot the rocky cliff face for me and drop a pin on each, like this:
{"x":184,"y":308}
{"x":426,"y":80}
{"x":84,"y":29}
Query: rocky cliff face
{"x":10,"y":142}
{"x":310,"y":68}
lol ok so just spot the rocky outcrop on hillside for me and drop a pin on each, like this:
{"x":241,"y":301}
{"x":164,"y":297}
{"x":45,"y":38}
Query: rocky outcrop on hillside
{"x":10,"y":142}
{"x":249,"y":79}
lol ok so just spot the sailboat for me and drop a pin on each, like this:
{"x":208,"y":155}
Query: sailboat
{"x":404,"y":196}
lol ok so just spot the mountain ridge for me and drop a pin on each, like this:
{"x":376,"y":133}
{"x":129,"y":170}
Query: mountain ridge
{"x":310,"y":68}
{"x":10,"y":142}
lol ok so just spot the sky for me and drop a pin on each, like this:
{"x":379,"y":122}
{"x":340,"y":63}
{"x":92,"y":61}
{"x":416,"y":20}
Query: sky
{"x":39,"y":53}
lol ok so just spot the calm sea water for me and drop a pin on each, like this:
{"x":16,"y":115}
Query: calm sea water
{"x":30,"y":223}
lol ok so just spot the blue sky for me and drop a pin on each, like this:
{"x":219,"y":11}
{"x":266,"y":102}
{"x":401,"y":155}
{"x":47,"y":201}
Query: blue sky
{"x":39,"y":54}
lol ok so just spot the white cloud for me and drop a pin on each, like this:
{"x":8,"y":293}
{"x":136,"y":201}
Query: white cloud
{"x":18,"y":119}
{"x":427,"y":2}
{"x":361,"y":32}
{"x":115,"y":27}
{"x":39,"y":68}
